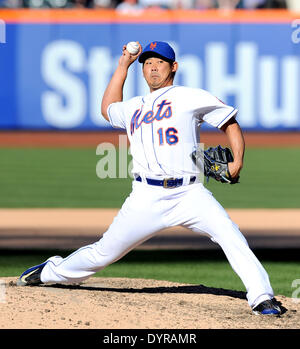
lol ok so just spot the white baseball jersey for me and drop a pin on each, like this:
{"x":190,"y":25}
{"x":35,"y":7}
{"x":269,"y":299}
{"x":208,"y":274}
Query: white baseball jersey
{"x":163,"y":127}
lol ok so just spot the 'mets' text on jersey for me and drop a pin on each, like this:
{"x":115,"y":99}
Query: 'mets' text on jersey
{"x":163,"y":127}
{"x":164,"y":110}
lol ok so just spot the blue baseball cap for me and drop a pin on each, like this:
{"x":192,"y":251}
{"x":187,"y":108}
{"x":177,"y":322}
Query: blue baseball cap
{"x":157,"y":49}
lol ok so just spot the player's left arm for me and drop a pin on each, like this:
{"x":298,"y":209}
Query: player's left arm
{"x":237,"y":144}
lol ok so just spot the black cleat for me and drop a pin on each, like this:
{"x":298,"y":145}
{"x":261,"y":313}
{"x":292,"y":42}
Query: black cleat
{"x":31,"y":276}
{"x":267,"y":307}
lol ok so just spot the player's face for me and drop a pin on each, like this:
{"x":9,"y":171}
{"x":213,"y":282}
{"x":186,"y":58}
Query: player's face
{"x":158,"y":73}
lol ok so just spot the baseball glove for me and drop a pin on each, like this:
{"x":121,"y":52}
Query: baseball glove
{"x":215,"y":164}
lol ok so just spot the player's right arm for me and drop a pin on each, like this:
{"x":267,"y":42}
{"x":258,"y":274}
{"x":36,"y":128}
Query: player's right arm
{"x":114,"y":90}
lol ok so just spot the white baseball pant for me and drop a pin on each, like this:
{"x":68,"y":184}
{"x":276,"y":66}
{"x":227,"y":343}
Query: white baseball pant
{"x":149,"y":209}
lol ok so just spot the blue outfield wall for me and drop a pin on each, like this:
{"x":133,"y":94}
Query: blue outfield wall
{"x":53,"y":75}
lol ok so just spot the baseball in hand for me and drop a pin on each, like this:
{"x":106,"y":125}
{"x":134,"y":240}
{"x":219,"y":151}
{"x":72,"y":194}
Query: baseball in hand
{"x":132,"y":47}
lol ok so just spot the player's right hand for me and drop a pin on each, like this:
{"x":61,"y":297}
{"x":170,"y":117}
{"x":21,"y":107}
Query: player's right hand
{"x":127,"y":59}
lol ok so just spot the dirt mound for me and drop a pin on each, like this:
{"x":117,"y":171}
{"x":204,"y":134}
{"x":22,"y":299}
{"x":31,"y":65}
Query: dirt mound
{"x":114,"y":303}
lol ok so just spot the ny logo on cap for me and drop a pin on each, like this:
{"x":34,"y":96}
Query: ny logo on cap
{"x":153,"y":45}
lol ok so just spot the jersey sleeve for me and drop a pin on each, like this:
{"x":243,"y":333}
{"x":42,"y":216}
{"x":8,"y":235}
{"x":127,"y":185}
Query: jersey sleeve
{"x":116,"y":115}
{"x":215,"y":112}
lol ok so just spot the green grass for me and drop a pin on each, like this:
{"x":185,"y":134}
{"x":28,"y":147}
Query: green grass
{"x":208,"y":268}
{"x":56,"y":178}
{"x":67,"y":178}
{"x":268,"y":180}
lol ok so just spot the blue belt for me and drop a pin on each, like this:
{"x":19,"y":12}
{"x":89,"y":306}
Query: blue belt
{"x":167,"y":182}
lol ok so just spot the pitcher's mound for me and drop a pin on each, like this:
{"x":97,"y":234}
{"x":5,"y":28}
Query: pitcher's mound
{"x":114,"y":303}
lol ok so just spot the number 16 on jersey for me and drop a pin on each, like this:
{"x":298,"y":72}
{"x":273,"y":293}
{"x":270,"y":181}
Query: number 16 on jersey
{"x":168,"y":136}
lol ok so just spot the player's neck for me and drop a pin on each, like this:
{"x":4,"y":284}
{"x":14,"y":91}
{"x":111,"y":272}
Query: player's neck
{"x":153,"y":89}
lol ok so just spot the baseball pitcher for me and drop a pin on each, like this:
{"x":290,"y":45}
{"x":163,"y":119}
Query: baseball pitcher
{"x":163,"y":128}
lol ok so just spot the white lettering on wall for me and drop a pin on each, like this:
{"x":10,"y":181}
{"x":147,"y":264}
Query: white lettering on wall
{"x":241,"y":83}
{"x":99,"y":71}
{"x":266,"y":88}
{"x":190,"y":69}
{"x":278,"y":104}
{"x":63,"y":106}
